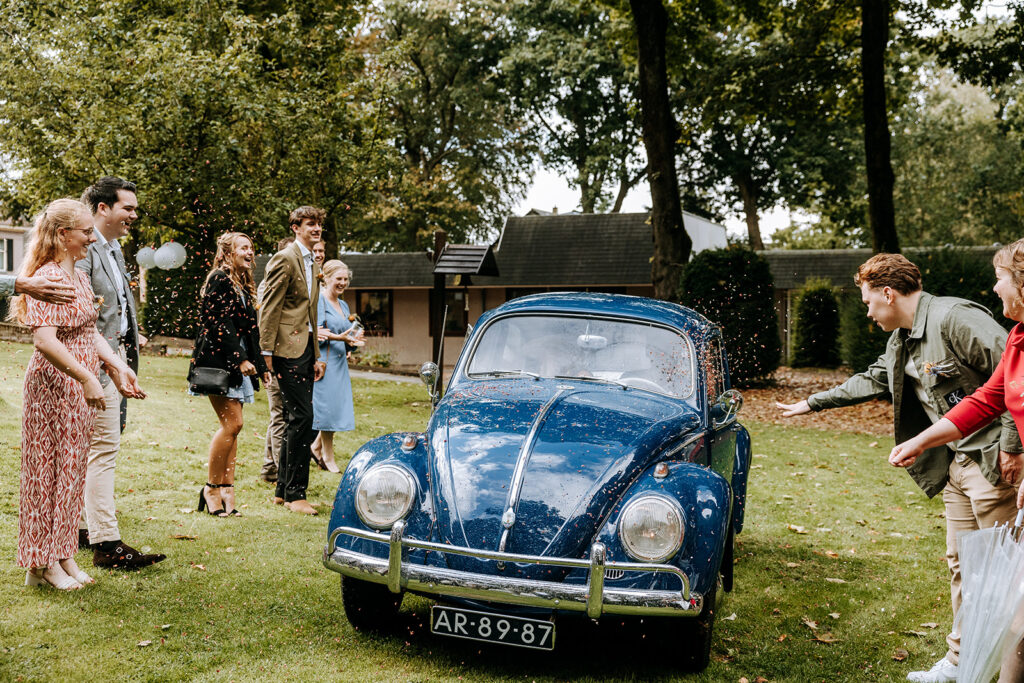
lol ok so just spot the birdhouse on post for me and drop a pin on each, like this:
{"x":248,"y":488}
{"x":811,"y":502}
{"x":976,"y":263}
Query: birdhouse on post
{"x":463,"y":261}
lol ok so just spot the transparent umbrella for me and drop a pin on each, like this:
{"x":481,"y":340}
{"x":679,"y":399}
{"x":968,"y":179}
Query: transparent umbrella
{"x":991,"y":615}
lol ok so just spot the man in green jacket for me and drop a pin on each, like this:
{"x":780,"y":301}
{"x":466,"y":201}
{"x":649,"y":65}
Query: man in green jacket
{"x":941,"y":350}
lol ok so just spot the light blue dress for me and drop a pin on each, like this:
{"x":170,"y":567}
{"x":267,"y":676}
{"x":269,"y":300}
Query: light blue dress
{"x":332,"y":396}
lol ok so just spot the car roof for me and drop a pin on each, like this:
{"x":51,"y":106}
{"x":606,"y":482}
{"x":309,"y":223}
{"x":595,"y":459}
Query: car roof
{"x":598,"y":303}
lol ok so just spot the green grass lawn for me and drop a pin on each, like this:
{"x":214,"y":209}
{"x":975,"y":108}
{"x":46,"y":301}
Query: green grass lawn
{"x":838,"y":547}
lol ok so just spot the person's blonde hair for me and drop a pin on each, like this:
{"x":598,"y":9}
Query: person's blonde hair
{"x":332,"y":266}
{"x":242,"y":280}
{"x":44,"y":244}
{"x":1011,"y":259}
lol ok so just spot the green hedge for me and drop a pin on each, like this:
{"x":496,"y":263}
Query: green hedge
{"x":861,"y":341}
{"x":733,"y":287}
{"x":816,"y":326}
{"x":963,"y":273}
{"x":172,"y":298}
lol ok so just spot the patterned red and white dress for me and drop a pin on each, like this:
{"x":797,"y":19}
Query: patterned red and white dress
{"x":56,"y":429}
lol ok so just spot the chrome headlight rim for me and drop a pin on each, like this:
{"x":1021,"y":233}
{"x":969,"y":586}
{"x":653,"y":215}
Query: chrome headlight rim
{"x":405,"y":474}
{"x":672,"y":505}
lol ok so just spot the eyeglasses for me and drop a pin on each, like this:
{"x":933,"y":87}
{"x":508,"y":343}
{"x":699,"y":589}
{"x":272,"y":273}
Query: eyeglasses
{"x":88,"y":231}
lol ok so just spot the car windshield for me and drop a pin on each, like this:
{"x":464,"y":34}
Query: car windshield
{"x":633,"y":354}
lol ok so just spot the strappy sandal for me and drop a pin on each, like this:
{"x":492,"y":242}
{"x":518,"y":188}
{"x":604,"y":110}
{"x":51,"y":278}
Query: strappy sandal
{"x":233,"y":512}
{"x":65,"y":584}
{"x":203,"y":505}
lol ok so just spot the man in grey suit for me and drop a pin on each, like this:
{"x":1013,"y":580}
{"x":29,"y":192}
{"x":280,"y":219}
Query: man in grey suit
{"x":113,"y":203}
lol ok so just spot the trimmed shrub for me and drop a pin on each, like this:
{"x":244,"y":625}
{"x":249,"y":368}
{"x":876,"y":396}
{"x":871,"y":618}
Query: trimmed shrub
{"x":964,"y":273}
{"x":861,"y":341}
{"x":816,"y":328}
{"x":733,"y":287}
{"x":172,"y":298}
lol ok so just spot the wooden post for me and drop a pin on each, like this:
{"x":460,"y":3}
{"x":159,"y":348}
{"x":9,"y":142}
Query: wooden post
{"x":437,"y":315}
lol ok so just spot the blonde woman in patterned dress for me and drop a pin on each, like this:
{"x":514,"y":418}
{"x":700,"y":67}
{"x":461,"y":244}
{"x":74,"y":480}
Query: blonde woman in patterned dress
{"x":62,"y":393}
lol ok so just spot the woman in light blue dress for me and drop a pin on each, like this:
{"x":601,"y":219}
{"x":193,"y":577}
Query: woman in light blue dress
{"x":332,"y":395}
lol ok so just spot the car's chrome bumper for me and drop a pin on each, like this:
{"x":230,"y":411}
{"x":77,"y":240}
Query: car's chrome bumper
{"x":593,"y":597}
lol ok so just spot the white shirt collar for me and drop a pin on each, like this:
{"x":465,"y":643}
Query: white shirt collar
{"x":306,"y":253}
{"x":103,"y":242}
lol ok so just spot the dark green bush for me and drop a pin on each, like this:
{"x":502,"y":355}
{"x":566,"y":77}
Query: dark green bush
{"x":861,"y":341}
{"x":172,"y":298}
{"x":733,"y":288}
{"x":816,"y":327}
{"x":964,"y":273}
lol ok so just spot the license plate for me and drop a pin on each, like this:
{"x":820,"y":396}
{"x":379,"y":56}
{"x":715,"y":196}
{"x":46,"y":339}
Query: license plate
{"x":492,"y":628}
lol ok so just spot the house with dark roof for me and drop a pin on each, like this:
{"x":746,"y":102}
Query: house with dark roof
{"x":535,"y":253}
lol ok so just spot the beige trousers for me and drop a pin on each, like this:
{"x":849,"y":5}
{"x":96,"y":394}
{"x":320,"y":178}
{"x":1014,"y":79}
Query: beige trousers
{"x":100,"y":509}
{"x":971,"y":503}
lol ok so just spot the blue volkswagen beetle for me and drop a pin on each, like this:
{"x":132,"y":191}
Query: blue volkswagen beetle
{"x":585,"y":460}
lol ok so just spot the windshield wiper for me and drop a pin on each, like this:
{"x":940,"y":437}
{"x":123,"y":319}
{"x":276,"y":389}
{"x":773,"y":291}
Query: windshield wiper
{"x":594,"y":379}
{"x":507,"y":373}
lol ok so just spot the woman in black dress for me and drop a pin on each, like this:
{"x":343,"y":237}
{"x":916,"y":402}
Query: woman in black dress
{"x":228,"y":340}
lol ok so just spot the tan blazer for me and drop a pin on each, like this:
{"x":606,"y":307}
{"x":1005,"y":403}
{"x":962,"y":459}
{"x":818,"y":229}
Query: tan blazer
{"x":286,"y":311}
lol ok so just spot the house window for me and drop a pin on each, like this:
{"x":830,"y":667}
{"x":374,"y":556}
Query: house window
{"x":374,"y":307}
{"x":7,"y":255}
{"x":456,"y":323}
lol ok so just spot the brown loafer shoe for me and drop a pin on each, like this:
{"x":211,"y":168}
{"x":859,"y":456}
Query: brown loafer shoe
{"x":83,"y":539}
{"x":124,"y":557}
{"x":278,"y":500}
{"x":302,"y":506}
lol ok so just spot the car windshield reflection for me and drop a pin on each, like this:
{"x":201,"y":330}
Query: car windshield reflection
{"x":629,"y":354}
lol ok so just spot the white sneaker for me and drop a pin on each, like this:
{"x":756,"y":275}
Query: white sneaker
{"x":944,"y":671}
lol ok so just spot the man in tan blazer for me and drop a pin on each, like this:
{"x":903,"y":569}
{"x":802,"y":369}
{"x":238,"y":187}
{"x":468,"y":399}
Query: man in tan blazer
{"x":288,"y":338}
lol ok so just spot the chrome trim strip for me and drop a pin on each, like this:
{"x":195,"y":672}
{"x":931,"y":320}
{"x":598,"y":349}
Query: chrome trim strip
{"x":595,"y":581}
{"x":515,"y":488}
{"x":592,"y":597}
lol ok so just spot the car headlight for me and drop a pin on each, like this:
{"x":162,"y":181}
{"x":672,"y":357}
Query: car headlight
{"x":651,"y":528}
{"x":385,"y":495}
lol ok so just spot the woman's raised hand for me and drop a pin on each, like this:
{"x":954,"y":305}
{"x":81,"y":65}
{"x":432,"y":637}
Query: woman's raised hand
{"x":323,"y":334}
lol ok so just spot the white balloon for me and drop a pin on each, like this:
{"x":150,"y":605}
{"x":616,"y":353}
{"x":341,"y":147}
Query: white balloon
{"x":144,"y":257}
{"x":170,"y":255}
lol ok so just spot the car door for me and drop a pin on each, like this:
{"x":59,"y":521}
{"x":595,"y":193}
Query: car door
{"x":721,"y":423}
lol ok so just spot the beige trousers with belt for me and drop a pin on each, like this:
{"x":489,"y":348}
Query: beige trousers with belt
{"x":971,"y":503}
{"x":100,"y":509}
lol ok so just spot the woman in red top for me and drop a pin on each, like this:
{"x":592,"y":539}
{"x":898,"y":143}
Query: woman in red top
{"x":62,"y":393}
{"x":1003,"y":391}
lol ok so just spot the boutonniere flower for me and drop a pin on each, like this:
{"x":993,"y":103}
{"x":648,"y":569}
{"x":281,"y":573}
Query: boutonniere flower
{"x":938,"y":369}
{"x":98,"y":302}
{"x":134,"y":284}
{"x":320,"y":278}
{"x":353,"y":317}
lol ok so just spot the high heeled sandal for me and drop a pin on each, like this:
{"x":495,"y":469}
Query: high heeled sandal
{"x":203,"y":505}
{"x":233,"y":512}
{"x":65,"y":584}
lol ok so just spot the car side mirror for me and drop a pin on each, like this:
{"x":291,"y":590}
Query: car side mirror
{"x":429,"y":373}
{"x":730,"y":403}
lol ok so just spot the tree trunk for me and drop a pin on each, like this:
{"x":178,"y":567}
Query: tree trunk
{"x":748,"y":193}
{"x":877,"y":145}
{"x":671,"y":243}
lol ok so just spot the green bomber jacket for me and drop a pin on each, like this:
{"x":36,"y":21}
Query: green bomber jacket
{"x":956,"y":346}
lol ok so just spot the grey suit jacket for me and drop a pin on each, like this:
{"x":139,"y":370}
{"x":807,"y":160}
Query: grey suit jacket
{"x":98,"y":267}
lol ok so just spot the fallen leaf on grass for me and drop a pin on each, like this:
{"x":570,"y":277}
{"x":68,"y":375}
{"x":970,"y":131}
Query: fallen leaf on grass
{"x":900,"y":654}
{"x":743,"y":679}
{"x":832,"y":580}
{"x":796,"y":529}
{"x":834,"y":615}
{"x":200,"y":567}
{"x":813,"y":625}
{"x":832,"y":553}
{"x":783,"y":637}
{"x":826,"y":637}
{"x":916,"y":633}
{"x":873,"y":444}
{"x":792,"y":565}
{"x":760,"y":679}
{"x":731,"y":617}
{"x":145,"y":643}
{"x":164,"y":627}
{"x":930,"y":624}
{"x":149,"y":519}
{"x":184,"y":537}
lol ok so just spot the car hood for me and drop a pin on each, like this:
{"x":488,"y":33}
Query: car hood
{"x":573,"y":446}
